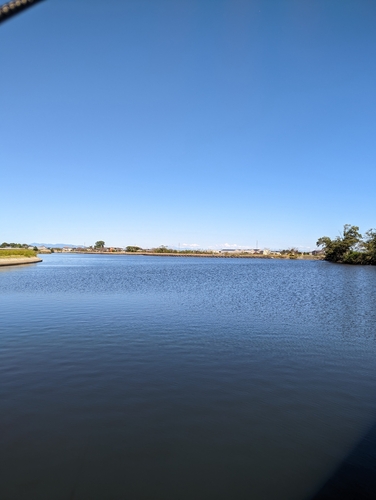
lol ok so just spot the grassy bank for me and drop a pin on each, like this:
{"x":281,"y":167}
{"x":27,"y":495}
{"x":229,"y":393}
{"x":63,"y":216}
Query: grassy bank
{"x":17,"y":252}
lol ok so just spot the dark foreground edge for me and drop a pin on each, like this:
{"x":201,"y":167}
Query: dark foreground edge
{"x":355,"y":479}
{"x":14,"y":7}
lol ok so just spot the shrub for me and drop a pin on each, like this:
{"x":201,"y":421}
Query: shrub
{"x":19,"y":252}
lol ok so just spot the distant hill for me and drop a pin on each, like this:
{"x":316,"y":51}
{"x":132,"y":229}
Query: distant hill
{"x":54,"y":245}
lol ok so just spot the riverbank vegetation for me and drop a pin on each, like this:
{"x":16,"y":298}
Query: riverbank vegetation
{"x":14,"y":245}
{"x":133,"y":248}
{"x":16,"y":253}
{"x":164,"y":249}
{"x":350,"y":247}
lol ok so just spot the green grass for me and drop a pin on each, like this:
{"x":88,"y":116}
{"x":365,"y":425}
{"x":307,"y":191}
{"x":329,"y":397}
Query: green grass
{"x":17,"y":252}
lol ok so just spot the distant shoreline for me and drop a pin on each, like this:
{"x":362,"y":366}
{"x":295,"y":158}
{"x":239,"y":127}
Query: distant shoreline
{"x":18,"y":261}
{"x":207,"y":255}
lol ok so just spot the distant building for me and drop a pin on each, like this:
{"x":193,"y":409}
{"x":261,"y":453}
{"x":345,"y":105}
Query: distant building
{"x":318,"y":252}
{"x":43,"y":249}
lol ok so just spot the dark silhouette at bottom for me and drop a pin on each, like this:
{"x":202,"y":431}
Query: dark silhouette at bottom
{"x":13,"y":7}
{"x":355,"y":479}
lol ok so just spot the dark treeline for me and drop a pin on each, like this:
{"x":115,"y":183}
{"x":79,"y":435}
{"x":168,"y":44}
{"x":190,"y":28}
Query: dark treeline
{"x":14,"y":245}
{"x":351,"y":247}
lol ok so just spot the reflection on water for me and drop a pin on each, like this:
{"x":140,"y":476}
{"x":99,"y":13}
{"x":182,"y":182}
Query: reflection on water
{"x":165,"y":378}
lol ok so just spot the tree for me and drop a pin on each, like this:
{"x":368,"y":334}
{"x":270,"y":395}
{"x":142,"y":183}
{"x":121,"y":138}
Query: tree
{"x":164,"y":249}
{"x":343,"y":248}
{"x":99,"y":244}
{"x":132,"y":249}
{"x":369,"y":246}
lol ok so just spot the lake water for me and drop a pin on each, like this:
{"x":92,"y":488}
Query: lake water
{"x":182,"y":378}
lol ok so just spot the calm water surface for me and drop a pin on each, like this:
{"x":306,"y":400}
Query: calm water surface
{"x":175,"y":378}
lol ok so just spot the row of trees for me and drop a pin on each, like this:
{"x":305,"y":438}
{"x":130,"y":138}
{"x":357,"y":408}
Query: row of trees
{"x":14,"y":245}
{"x":99,"y":245}
{"x":351,"y":247}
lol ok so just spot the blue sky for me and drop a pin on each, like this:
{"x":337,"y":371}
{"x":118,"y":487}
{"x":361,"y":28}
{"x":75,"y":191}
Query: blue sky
{"x":191,"y":122}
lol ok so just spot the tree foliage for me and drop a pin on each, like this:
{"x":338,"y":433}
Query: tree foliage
{"x":369,"y":245}
{"x":350,"y":247}
{"x":99,"y":244}
{"x":132,"y":248}
{"x":13,"y":245}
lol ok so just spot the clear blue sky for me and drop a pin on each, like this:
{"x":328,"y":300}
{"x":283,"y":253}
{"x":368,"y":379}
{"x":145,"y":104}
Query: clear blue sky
{"x":199,"y":122}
